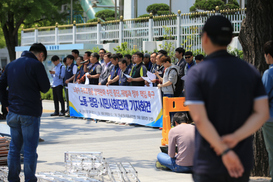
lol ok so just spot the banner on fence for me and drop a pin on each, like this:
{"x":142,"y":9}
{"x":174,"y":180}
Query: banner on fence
{"x":140,"y":105}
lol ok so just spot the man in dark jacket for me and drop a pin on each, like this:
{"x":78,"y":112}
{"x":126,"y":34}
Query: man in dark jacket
{"x":26,"y":78}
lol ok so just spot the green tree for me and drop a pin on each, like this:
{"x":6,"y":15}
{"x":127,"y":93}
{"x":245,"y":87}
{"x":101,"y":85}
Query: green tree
{"x":209,"y":5}
{"x":154,"y":8}
{"x":14,"y":13}
{"x":106,"y":14}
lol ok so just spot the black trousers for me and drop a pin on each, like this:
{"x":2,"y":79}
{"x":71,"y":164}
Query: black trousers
{"x":58,"y":97}
{"x":220,"y":178}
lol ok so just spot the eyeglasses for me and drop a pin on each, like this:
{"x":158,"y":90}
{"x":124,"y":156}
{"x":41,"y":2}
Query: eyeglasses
{"x":187,"y":57}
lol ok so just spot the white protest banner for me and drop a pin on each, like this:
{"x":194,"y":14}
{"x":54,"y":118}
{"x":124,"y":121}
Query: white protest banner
{"x":140,"y":105}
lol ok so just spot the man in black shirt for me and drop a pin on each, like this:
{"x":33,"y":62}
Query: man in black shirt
{"x":226,"y":108}
{"x":138,"y":71}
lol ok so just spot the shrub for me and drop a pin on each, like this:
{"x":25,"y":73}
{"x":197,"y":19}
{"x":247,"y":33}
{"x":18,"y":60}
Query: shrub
{"x":104,"y":14}
{"x":154,"y":8}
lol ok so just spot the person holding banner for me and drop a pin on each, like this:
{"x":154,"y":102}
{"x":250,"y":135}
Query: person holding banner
{"x":138,"y":71}
{"x":114,"y":74}
{"x":124,"y":69}
{"x":95,"y":69}
{"x":106,"y":69}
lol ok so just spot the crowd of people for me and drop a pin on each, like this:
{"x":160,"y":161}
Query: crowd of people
{"x":105,"y":68}
{"x":226,"y":108}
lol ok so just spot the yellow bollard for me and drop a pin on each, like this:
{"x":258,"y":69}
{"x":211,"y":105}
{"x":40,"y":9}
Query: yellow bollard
{"x":172,"y":104}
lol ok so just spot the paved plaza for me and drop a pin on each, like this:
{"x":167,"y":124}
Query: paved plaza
{"x":136,"y":144}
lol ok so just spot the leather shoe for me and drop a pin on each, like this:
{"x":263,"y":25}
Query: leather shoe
{"x":54,"y":114}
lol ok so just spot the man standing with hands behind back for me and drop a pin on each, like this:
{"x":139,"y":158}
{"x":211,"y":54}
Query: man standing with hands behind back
{"x":226,"y":108}
{"x":26,"y":78}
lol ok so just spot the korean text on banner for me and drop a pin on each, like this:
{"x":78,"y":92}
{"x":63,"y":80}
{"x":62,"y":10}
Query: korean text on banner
{"x":140,"y":105}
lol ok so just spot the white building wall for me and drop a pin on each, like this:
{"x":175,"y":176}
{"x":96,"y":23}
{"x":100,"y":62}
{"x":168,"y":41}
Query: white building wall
{"x":4,"y":57}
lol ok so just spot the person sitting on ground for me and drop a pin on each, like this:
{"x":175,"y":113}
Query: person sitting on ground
{"x":138,"y":71}
{"x":114,"y":74}
{"x":182,"y":136}
{"x":199,"y":58}
{"x":124,"y":69}
{"x":105,"y":69}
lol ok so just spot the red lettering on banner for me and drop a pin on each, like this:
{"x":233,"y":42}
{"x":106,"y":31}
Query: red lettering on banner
{"x":84,"y":90}
{"x":135,"y":93}
{"x":100,"y":92}
{"x":90,"y":91}
{"x":116,"y":93}
{"x":143,"y":94}
{"x":151,"y":94}
{"x":126,"y":93}
{"x":76,"y":89}
{"x":110,"y":93}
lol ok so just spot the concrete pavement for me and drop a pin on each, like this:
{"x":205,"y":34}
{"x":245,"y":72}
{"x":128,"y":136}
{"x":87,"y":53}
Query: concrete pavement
{"x":136,"y":144}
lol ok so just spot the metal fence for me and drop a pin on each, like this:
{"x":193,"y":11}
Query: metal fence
{"x":184,"y":28}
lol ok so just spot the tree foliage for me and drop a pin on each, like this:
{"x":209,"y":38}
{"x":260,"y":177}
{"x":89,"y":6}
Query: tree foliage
{"x":154,"y":8}
{"x":106,"y":14}
{"x":209,"y":5}
{"x":14,"y":13}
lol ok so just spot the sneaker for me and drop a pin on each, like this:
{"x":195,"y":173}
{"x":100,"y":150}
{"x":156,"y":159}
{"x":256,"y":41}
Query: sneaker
{"x":160,"y":166}
{"x":54,"y":114}
{"x":67,"y":115}
{"x":61,"y":114}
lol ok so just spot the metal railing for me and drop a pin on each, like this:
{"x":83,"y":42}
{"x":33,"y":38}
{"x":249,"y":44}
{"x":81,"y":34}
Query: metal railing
{"x":184,"y":28}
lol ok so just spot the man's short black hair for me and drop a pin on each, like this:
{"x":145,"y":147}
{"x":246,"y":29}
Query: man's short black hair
{"x":165,"y":59}
{"x":119,"y":55}
{"x":188,"y":53}
{"x":199,"y":57}
{"x":123,"y":61}
{"x":55,"y":58}
{"x":268,"y":47}
{"x":155,"y":53}
{"x":140,"y":54}
{"x":114,"y":56}
{"x":88,"y":53}
{"x":76,"y":51}
{"x":128,"y":56}
{"x":180,"y":117}
{"x":81,"y":58}
{"x":70,"y":56}
{"x":103,"y":50}
{"x":96,"y":55}
{"x":180,"y":50}
{"x":38,"y":48}
{"x":163,"y":52}
{"x":64,"y":60}
{"x":108,"y":54}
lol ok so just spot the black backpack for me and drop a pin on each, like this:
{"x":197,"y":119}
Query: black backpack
{"x":178,"y":86}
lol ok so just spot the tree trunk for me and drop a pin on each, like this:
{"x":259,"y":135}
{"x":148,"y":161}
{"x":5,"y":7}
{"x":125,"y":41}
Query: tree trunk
{"x":257,"y":28}
{"x":11,"y":42}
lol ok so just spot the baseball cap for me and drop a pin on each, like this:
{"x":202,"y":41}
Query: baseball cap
{"x":219,"y":29}
{"x":146,"y":55}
